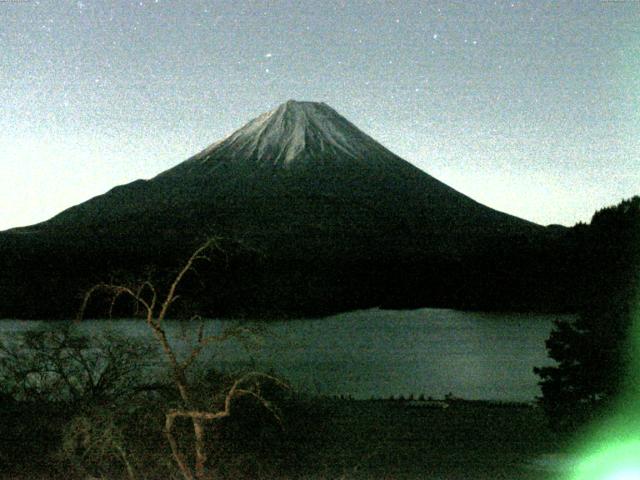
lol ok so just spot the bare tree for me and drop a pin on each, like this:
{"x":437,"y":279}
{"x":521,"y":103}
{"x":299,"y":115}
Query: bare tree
{"x":55,"y":364}
{"x":154,"y":308}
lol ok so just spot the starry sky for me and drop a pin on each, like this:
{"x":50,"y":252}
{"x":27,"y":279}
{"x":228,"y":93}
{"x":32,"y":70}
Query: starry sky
{"x":531,"y":107}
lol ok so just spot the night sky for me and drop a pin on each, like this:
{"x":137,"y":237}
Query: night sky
{"x":531,"y":108}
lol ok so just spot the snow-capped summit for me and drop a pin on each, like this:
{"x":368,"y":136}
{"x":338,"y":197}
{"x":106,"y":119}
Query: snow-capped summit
{"x":294,"y":131}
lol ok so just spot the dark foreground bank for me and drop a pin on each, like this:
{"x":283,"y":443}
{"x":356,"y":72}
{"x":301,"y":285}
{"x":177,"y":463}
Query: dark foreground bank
{"x":322,"y":439}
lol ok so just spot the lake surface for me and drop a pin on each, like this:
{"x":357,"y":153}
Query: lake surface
{"x":380,"y":353}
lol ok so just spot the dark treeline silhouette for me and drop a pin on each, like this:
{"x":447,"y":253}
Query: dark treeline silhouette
{"x":593,"y":352}
{"x":43,"y":274}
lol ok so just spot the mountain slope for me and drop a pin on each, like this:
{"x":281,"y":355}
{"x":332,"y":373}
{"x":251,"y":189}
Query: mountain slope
{"x":281,"y":165}
{"x":321,"y":200}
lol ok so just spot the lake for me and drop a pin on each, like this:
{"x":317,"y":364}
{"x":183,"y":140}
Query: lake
{"x":381,"y":353}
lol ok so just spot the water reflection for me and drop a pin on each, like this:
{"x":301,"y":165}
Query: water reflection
{"x":382,"y":353}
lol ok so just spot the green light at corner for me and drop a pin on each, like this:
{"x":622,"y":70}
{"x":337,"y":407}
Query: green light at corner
{"x":613,"y":451}
{"x":616,"y":461}
{"x":625,"y":475}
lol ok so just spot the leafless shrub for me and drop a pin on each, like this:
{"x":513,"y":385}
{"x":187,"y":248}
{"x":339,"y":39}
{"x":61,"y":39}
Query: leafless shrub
{"x":153,"y":306}
{"x":57,"y":364}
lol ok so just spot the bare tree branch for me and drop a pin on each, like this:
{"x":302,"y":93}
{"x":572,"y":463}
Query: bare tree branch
{"x":198,"y":254}
{"x":246,"y":385}
{"x":116,"y":290}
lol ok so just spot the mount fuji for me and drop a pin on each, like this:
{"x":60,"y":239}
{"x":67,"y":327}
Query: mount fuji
{"x":301,"y":165}
{"x":337,"y":219}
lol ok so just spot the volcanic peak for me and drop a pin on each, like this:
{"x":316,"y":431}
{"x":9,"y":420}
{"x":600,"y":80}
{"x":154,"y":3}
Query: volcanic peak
{"x":294,"y":130}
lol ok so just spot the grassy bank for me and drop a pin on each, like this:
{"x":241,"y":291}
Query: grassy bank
{"x":374,"y":439}
{"x":400,"y":440}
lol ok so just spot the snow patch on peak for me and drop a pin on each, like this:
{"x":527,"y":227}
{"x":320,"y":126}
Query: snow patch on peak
{"x":295,"y":130}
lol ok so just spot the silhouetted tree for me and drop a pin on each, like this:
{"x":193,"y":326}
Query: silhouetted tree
{"x":592,"y":351}
{"x":57,"y":364}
